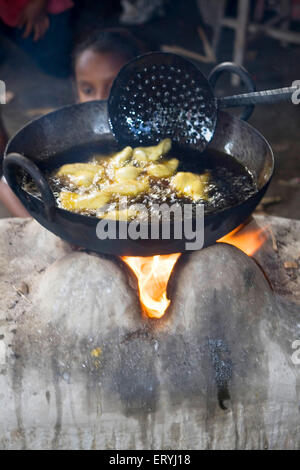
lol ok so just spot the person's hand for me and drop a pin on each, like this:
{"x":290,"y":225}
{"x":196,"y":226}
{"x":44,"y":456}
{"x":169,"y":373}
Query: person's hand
{"x":34,"y":19}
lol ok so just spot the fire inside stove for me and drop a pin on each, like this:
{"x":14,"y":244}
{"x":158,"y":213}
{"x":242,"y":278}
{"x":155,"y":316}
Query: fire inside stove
{"x":153,"y":272}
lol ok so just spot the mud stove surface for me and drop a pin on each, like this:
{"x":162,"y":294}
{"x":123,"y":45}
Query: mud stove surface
{"x":82,"y":367}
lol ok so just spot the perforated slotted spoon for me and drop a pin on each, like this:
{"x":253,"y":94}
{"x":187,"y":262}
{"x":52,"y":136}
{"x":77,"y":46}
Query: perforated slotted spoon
{"x":161,"y":95}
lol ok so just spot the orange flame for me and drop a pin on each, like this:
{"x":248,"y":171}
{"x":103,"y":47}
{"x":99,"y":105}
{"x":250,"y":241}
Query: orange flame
{"x":153,"y":275}
{"x":153,"y":272}
{"x":248,"y":240}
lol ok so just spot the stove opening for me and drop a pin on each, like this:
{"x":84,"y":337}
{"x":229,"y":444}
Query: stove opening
{"x":153,"y":275}
{"x":153,"y":272}
{"x":248,"y":240}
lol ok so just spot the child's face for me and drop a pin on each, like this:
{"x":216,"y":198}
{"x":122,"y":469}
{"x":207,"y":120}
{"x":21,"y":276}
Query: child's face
{"x":95,"y":73}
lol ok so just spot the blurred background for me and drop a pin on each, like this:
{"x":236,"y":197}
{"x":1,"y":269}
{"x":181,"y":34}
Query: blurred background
{"x":261,"y":35}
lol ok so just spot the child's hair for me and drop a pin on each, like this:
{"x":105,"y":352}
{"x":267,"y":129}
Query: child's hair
{"x":117,"y":41}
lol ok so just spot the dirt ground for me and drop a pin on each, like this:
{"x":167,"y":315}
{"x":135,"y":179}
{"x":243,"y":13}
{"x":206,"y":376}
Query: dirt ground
{"x":271,"y":64}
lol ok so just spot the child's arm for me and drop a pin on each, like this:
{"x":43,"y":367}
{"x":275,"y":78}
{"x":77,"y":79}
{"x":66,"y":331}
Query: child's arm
{"x":7,"y":197}
{"x":3,"y":142}
{"x":11,"y":202}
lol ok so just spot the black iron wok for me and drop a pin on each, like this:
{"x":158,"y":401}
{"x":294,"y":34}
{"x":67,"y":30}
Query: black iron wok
{"x":35,"y":146}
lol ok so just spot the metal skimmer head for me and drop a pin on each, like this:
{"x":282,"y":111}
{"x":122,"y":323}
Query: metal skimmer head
{"x":161,"y":95}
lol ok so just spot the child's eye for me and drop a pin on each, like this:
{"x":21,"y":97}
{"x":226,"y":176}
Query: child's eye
{"x":87,"y":90}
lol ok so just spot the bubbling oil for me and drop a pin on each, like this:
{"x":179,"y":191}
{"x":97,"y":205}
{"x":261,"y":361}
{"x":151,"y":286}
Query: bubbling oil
{"x":230,"y":183}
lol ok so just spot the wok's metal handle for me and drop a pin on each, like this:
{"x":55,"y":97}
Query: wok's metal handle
{"x":244,"y":75}
{"x":14,"y":160}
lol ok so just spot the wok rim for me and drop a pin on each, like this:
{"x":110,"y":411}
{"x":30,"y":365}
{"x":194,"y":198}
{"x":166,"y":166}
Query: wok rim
{"x":66,"y":223}
{"x":89,"y":217}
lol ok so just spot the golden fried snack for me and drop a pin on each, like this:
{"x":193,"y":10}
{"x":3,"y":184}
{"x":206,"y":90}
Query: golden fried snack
{"x":130,"y":173}
{"x":122,"y":157}
{"x":124,"y":214}
{"x":163,"y":170}
{"x":140,"y":156}
{"x":129,"y":188}
{"x":81,"y":174}
{"x":154,"y":152}
{"x":190,"y":185}
{"x":127,"y":173}
{"x":78,"y":202}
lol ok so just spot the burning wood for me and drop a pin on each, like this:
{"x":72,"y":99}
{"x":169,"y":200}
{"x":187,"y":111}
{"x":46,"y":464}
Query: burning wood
{"x":290,"y":265}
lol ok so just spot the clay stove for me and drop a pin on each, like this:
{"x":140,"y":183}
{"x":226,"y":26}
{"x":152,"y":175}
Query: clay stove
{"x":153,"y":273}
{"x":82,"y":367}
